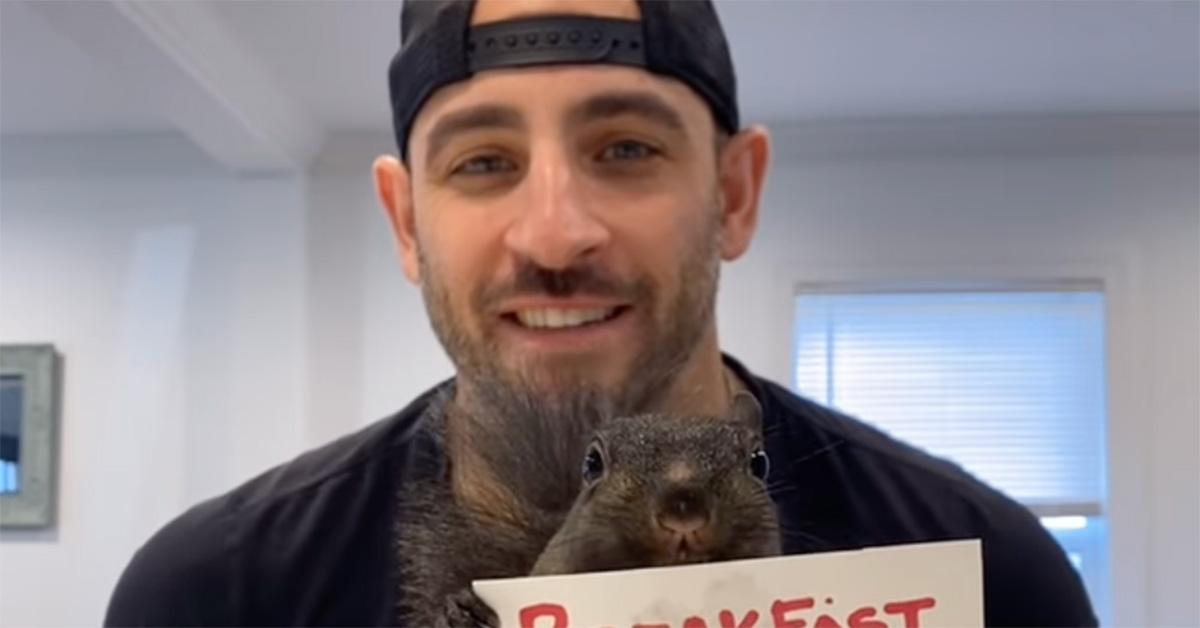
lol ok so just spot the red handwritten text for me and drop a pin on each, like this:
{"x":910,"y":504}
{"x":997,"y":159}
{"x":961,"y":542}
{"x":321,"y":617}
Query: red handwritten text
{"x":785,"y":613}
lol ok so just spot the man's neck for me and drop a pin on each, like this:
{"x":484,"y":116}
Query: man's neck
{"x":703,"y":387}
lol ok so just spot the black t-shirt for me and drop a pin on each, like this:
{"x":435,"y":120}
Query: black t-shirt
{"x":310,"y":542}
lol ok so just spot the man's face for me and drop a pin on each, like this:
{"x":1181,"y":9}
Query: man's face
{"x":567,"y":228}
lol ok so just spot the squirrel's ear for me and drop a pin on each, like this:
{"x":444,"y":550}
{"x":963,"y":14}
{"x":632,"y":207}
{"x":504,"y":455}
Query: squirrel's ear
{"x":745,"y":410}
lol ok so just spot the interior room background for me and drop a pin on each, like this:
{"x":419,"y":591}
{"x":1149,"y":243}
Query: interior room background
{"x":186,"y":213}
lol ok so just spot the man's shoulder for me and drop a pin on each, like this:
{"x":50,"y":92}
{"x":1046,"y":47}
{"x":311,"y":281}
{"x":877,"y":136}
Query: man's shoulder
{"x":189,"y":571}
{"x":181,"y":564}
{"x":357,"y":452}
{"x":876,"y":490}
{"x":327,"y":465}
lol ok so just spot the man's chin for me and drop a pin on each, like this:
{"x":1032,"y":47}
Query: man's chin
{"x":568,"y":380}
{"x":563,"y":378}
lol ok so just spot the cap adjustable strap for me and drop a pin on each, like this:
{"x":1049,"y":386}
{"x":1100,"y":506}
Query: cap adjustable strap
{"x":555,"y":39}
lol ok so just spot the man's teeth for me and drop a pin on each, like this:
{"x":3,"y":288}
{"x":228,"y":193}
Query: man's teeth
{"x":554,"y":318}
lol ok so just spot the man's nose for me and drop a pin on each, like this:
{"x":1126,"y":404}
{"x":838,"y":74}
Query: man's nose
{"x":556,"y":226}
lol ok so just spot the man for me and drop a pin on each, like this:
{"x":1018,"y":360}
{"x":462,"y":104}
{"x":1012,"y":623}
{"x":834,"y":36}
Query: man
{"x":571,"y":175}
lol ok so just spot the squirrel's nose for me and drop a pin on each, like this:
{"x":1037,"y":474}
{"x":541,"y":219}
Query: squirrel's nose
{"x":682,"y":511}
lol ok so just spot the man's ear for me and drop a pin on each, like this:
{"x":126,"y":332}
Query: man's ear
{"x":394,"y":186}
{"x":743,"y":171}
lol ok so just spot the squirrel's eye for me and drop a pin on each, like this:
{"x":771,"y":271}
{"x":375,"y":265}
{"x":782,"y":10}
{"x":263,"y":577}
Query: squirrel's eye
{"x":760,"y":465}
{"x":593,"y":465}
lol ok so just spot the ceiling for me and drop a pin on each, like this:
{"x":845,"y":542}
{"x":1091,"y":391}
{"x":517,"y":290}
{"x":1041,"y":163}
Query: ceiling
{"x":806,"y":59}
{"x":266,"y":80}
{"x":48,"y":84}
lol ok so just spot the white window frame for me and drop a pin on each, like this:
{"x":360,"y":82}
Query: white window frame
{"x":1128,"y":387}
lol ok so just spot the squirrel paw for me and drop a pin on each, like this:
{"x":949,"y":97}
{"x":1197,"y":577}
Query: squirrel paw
{"x":465,"y":610}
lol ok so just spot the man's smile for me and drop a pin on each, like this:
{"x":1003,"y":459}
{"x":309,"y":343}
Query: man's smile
{"x":560,"y":318}
{"x":565,"y":324}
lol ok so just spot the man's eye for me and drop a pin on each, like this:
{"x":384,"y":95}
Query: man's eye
{"x":627,"y":150}
{"x":485,"y":164}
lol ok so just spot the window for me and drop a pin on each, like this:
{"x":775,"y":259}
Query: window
{"x":11,"y":410}
{"x":1009,"y":385}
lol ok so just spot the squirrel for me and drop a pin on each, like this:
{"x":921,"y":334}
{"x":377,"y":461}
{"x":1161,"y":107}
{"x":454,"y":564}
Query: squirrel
{"x":660,"y":490}
{"x":648,"y":490}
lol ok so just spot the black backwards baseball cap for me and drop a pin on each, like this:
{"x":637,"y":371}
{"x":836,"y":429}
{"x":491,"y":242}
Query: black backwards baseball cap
{"x":682,"y":39}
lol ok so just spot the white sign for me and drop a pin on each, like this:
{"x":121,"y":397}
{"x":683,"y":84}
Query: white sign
{"x":926,"y":585}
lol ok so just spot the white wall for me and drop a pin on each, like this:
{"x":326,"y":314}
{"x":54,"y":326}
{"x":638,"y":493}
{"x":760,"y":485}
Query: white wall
{"x":295,"y":324}
{"x":175,"y":294}
{"x":384,"y":352}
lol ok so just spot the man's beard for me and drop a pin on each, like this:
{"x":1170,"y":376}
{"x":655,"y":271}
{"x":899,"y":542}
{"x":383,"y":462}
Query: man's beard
{"x":507,"y":392}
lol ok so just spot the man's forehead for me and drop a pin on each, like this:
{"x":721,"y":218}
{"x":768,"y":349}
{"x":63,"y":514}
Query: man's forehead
{"x":563,"y":93}
{"x":488,"y":11}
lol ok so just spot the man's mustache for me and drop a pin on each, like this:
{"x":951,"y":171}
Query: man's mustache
{"x":532,"y":280}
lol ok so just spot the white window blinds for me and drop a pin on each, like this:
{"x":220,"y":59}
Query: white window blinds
{"x":1010,"y":385}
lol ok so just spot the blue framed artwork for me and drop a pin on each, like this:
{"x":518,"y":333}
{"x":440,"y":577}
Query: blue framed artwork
{"x":29,"y":407}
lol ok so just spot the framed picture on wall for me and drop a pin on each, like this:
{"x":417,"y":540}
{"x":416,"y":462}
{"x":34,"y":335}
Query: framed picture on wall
{"x":29,"y":406}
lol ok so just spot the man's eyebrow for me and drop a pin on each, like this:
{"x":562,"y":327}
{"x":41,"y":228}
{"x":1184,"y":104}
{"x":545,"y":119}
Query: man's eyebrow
{"x":472,"y":118}
{"x":636,"y":103}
